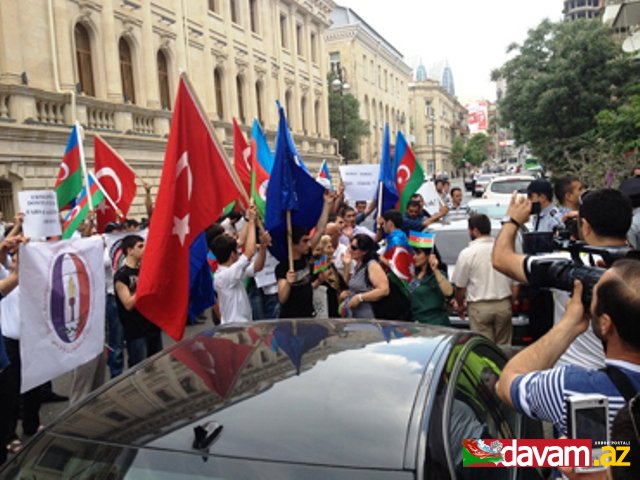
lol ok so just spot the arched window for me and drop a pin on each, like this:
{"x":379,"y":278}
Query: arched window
{"x":259,"y":101}
{"x":163,"y":81}
{"x":240,"y":90}
{"x":316,"y":112}
{"x":287,"y":106}
{"x":6,"y":198}
{"x":217,"y":84}
{"x":126,"y":71}
{"x":303,"y":114}
{"x":83,"y":59}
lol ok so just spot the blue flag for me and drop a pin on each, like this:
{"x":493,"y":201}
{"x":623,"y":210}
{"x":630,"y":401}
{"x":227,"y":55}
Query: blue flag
{"x":387,"y":174}
{"x":290,"y":188}
{"x":201,"y":294}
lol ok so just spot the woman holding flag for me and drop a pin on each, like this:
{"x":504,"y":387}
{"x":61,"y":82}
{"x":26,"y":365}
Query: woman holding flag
{"x":430,"y":288}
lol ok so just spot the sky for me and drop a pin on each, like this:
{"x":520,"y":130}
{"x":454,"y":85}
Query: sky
{"x":472,"y":35}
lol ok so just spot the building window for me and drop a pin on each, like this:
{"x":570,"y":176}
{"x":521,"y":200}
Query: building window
{"x":213,"y":5}
{"x":83,"y":59}
{"x":253,"y":15}
{"x":287,"y":106}
{"x":235,"y":13}
{"x":334,"y":61}
{"x":299,"y":40}
{"x":217,"y":84}
{"x":316,"y":115}
{"x":283,"y":31}
{"x":240,"y":90}
{"x":379,"y":76}
{"x":429,"y":137}
{"x":259,"y":101}
{"x":314,"y":47}
{"x":163,"y":81}
{"x":126,"y":72}
{"x":303,"y":114}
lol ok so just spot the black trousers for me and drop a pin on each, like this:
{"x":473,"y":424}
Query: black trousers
{"x":10,"y":398}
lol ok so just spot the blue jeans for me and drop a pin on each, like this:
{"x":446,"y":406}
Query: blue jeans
{"x":271,"y":306}
{"x":115,"y":337}
{"x":263,"y":306}
{"x":140,"y":348}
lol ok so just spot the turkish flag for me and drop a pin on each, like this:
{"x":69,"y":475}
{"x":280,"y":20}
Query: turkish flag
{"x":242,"y":157}
{"x":196,"y":184}
{"x":117,"y":180}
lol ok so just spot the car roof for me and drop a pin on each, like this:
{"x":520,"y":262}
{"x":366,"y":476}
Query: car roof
{"x":303,"y":391}
{"x":508,"y":178}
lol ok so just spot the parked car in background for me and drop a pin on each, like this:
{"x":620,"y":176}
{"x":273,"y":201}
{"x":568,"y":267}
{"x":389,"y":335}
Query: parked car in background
{"x":481,"y":183}
{"x":294,"y":399}
{"x":502,"y":187}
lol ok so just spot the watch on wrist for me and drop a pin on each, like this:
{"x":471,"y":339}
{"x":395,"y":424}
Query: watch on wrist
{"x":508,"y":219}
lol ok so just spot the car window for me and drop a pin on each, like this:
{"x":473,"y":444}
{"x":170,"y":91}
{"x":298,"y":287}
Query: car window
{"x":475,"y":411}
{"x":509,"y":186}
{"x":491,"y":211}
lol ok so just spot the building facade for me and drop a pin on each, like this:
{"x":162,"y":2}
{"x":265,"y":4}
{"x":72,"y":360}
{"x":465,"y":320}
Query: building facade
{"x":577,"y":9}
{"x":437,"y":118}
{"x":113,"y":65}
{"x":376,"y":74}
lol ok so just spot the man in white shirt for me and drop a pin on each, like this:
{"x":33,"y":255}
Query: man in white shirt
{"x":235,"y":268}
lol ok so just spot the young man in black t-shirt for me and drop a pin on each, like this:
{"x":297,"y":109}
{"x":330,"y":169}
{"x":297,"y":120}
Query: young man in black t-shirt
{"x":142,"y":337}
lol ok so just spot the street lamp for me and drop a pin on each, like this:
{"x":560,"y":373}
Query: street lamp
{"x":433,"y":144}
{"x":339,"y":84}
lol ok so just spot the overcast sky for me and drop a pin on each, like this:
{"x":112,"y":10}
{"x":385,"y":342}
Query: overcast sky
{"x":471,"y":34}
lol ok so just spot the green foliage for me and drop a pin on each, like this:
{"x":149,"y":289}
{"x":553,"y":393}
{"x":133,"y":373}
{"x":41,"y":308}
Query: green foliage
{"x":477,"y":150}
{"x":458,"y":149}
{"x":353,"y":128}
{"x":621,"y":127}
{"x":562,"y":76}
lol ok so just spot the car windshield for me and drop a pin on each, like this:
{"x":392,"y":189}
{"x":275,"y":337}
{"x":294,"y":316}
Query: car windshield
{"x":495,"y":211}
{"x":508,"y":186}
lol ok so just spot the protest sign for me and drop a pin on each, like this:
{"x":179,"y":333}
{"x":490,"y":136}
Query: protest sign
{"x":360,"y":181}
{"x":41,"y":217}
{"x":432,"y":201}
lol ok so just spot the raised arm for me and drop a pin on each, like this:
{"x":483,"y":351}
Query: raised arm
{"x":505,"y":259}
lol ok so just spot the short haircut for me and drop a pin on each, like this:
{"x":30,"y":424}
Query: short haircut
{"x":129,"y":242}
{"x":413,"y":203}
{"x":562,"y":186}
{"x":361,"y":202}
{"x":439,"y":180}
{"x":393,"y":216}
{"x":223,"y":246}
{"x":481,"y":222}
{"x":348,"y":209}
{"x":297,"y":232}
{"x":454,"y":190}
{"x":213,"y":232}
{"x":416,"y":196}
{"x":608,"y":212}
{"x":619,"y":297}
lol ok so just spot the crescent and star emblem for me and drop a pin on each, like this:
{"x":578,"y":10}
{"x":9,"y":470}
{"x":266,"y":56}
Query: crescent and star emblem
{"x":246,"y":154}
{"x":64,"y":172}
{"x":402,"y":179}
{"x":109,"y":172}
{"x":181,"y":225}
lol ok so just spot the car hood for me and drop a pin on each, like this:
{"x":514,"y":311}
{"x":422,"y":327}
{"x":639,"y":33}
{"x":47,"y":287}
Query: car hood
{"x":321,"y":392}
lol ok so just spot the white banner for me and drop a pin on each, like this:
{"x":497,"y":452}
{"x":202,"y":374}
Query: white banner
{"x":360,"y":181}
{"x":41,"y":216}
{"x":62,"y":301}
{"x":432,"y":201}
{"x":112,"y":242}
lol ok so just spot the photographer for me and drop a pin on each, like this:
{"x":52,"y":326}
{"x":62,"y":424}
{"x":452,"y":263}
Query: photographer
{"x":529,"y":382}
{"x":603,"y":220}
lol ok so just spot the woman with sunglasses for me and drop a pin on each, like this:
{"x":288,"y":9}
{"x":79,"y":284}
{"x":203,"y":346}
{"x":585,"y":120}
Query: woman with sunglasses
{"x":369,"y":283}
{"x":430,"y":289}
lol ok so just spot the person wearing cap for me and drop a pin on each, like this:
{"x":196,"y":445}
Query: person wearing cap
{"x":541,"y":191}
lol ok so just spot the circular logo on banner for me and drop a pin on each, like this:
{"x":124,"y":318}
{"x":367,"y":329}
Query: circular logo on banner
{"x":70,"y":296}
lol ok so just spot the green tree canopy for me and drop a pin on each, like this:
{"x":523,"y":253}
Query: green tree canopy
{"x":477,"y":150}
{"x":457,"y":152}
{"x":561,"y":77}
{"x":345,"y":123}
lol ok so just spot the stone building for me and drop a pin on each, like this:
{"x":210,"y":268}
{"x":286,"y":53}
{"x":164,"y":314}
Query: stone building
{"x":437,"y":118}
{"x":376,"y":74}
{"x":576,"y":9}
{"x":113,"y":65}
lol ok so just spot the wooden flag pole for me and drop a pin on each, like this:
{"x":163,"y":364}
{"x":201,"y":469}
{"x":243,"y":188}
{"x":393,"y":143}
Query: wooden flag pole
{"x":379,"y":200}
{"x":290,"y":240}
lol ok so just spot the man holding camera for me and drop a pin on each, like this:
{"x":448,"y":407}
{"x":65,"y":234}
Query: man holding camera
{"x":603,"y":220}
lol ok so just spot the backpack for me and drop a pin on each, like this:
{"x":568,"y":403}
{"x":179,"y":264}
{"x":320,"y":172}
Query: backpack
{"x":396,"y":305}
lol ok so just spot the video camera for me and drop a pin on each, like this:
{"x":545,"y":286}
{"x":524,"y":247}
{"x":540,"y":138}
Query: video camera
{"x":560,"y":273}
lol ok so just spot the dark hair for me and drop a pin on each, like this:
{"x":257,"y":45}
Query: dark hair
{"x":608,"y":212}
{"x":212,"y":233}
{"x":622,"y":429}
{"x":429,"y":251}
{"x":393,"y":216}
{"x":347,"y":209}
{"x":454,"y":190}
{"x":223,"y":246}
{"x":439,"y":180}
{"x":297,"y":232}
{"x":130,"y":222}
{"x":481,"y":222}
{"x":332,"y":217}
{"x":619,"y":298}
{"x":416,"y":196}
{"x":129,"y":242}
{"x":562,"y":186}
{"x":360,"y":202}
{"x":413,"y":203}
{"x":366,"y":244}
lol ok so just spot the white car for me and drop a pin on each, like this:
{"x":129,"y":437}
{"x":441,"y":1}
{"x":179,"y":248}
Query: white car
{"x":481,"y":183}
{"x":501,"y":188}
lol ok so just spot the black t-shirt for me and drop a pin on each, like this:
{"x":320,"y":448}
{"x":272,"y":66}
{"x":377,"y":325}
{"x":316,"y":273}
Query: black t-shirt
{"x":135,"y":325}
{"x":300,"y":302}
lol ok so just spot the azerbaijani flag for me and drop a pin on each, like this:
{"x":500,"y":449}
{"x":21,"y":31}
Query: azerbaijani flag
{"x":69,"y":181}
{"x":320,"y":265}
{"x":421,"y":239}
{"x":409,"y":174}
{"x":78,"y":213}
{"x":324,"y":177}
{"x":261,"y":165}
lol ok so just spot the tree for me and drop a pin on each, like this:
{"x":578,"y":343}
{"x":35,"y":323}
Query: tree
{"x":621,"y":127}
{"x":457,"y":152}
{"x":563,"y":75}
{"x":350,"y":132}
{"x":477,"y":151}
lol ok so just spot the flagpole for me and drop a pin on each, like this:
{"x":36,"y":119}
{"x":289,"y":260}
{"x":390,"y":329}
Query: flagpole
{"x":106,"y":195}
{"x":83,"y":164}
{"x":290,"y":240}
{"x":380,"y":199}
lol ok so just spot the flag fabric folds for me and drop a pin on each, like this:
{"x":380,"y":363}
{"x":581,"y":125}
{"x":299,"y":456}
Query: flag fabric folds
{"x":69,"y":181}
{"x":261,"y":166}
{"x":387,"y":175}
{"x":290,"y":188}
{"x":398,"y":253}
{"x":79,"y":212}
{"x":421,"y":239}
{"x":117,"y":180}
{"x":324,"y":177}
{"x":241,"y":157}
{"x":196,"y":184}
{"x":409,"y":173}
{"x":62,"y":304}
